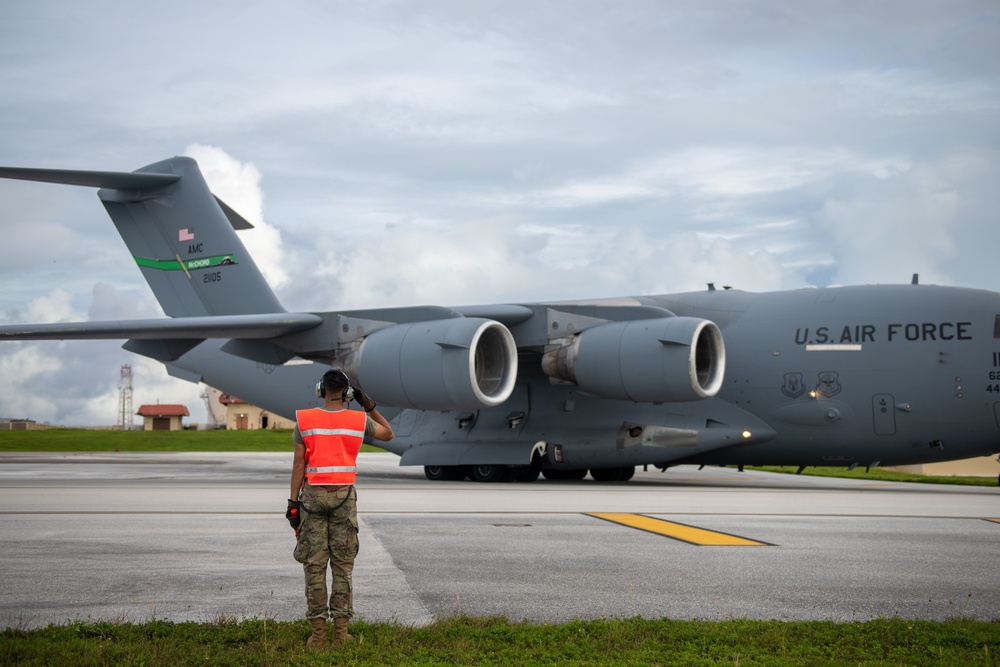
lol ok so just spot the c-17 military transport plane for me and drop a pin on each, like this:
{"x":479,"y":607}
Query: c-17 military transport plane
{"x":842,"y":376}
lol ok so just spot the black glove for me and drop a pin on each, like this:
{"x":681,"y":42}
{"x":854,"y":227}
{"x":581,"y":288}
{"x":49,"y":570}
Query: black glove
{"x":363,"y":399}
{"x":292,"y":514}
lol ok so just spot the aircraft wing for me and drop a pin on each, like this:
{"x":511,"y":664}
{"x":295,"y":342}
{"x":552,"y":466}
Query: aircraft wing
{"x":212,"y":326}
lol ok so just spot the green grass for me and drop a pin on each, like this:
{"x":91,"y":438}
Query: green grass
{"x":496,"y":641}
{"x":87,"y":440}
{"x":881,"y":474}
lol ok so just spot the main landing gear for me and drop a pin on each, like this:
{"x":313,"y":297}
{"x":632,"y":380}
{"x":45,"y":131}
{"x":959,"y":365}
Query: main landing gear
{"x":612,"y":474}
{"x":524,"y":474}
{"x":481,"y":473}
{"x":445,"y":473}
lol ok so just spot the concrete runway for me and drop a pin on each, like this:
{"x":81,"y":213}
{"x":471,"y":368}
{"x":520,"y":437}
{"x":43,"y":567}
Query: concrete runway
{"x":203,"y":536}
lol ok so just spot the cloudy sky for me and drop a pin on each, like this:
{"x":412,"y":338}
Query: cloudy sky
{"x":450,"y":152}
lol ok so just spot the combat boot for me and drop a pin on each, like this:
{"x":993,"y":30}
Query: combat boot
{"x":340,"y":635}
{"x":318,"y":636}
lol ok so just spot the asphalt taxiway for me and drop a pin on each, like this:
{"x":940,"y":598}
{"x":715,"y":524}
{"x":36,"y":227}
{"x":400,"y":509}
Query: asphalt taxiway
{"x":203,"y":536}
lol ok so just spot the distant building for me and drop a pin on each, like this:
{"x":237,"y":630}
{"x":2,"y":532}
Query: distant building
{"x":163,"y":417}
{"x":241,"y":416}
{"x":9,"y":424}
{"x":983,"y":466}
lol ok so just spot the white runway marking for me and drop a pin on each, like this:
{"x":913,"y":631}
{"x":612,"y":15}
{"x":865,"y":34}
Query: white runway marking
{"x":380,"y":585}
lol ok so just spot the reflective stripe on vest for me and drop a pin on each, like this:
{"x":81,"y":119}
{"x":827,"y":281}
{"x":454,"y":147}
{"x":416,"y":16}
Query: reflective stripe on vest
{"x":332,"y":431}
{"x":332,"y":441}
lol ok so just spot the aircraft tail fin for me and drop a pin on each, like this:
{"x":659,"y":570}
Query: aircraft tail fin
{"x":182,"y":237}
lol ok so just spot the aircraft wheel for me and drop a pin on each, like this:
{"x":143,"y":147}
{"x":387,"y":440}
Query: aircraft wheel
{"x":623,"y":474}
{"x":564,"y":474}
{"x":606,"y":474}
{"x":445,"y":473}
{"x":488,"y":473}
{"x":527,"y":474}
{"x":435,"y":473}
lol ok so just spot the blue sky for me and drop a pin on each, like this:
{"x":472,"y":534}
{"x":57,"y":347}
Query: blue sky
{"x":398,"y":153}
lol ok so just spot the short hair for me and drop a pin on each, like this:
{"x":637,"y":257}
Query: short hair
{"x":335,"y":380}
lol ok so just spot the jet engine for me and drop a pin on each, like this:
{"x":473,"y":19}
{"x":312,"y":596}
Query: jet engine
{"x":462,"y":363}
{"x":657,"y":360}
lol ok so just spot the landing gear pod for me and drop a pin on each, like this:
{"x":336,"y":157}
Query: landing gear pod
{"x":464,"y":363}
{"x":647,"y":361}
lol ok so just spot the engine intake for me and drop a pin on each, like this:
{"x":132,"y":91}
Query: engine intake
{"x":463,"y":363}
{"x":658,"y":360}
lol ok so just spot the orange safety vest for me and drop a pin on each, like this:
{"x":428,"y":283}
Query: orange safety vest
{"x":333,"y":440}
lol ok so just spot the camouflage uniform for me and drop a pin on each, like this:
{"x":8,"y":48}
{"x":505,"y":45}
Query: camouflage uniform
{"x":328,"y":534}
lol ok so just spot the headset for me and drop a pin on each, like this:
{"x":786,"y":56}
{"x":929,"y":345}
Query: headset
{"x":335,"y":373}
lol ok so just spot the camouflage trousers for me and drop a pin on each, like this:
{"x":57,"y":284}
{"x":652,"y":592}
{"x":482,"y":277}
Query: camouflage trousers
{"x":328,"y":534}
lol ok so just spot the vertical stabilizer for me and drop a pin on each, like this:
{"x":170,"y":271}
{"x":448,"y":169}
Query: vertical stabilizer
{"x":186,"y":246}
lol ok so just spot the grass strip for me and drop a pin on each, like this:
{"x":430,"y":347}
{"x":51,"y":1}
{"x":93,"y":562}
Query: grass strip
{"x":99,"y":440}
{"x":880,"y":475}
{"x":497,"y":641}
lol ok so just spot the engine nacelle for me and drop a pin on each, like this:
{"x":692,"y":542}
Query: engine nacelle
{"x":464,"y":363}
{"x":658,"y":360}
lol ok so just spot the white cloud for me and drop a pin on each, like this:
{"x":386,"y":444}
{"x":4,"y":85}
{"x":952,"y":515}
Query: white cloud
{"x":25,"y":368}
{"x":52,"y":307}
{"x":899,"y":92}
{"x":892,"y":227}
{"x":239,"y":185}
{"x":451,"y":153}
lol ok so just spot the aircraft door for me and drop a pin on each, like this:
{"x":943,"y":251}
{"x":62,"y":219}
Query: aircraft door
{"x":884,"y":414}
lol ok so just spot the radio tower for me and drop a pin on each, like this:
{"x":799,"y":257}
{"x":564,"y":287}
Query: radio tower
{"x":125,"y":399}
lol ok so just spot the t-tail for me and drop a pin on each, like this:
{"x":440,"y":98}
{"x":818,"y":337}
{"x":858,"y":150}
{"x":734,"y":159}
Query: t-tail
{"x":182,"y":237}
{"x":184,"y":241}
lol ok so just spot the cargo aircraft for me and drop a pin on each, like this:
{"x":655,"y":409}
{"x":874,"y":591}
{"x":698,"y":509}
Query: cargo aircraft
{"x":840,"y":376}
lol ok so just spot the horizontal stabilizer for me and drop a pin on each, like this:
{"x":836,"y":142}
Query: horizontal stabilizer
{"x":95,"y":179}
{"x":268,"y":325}
{"x":115,"y":180}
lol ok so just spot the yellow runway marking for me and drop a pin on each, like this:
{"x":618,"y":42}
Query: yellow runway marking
{"x":994,"y":520}
{"x":678,"y":531}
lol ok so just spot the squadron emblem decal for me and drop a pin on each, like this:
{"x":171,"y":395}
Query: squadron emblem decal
{"x":794,"y":386}
{"x":829,"y":384}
